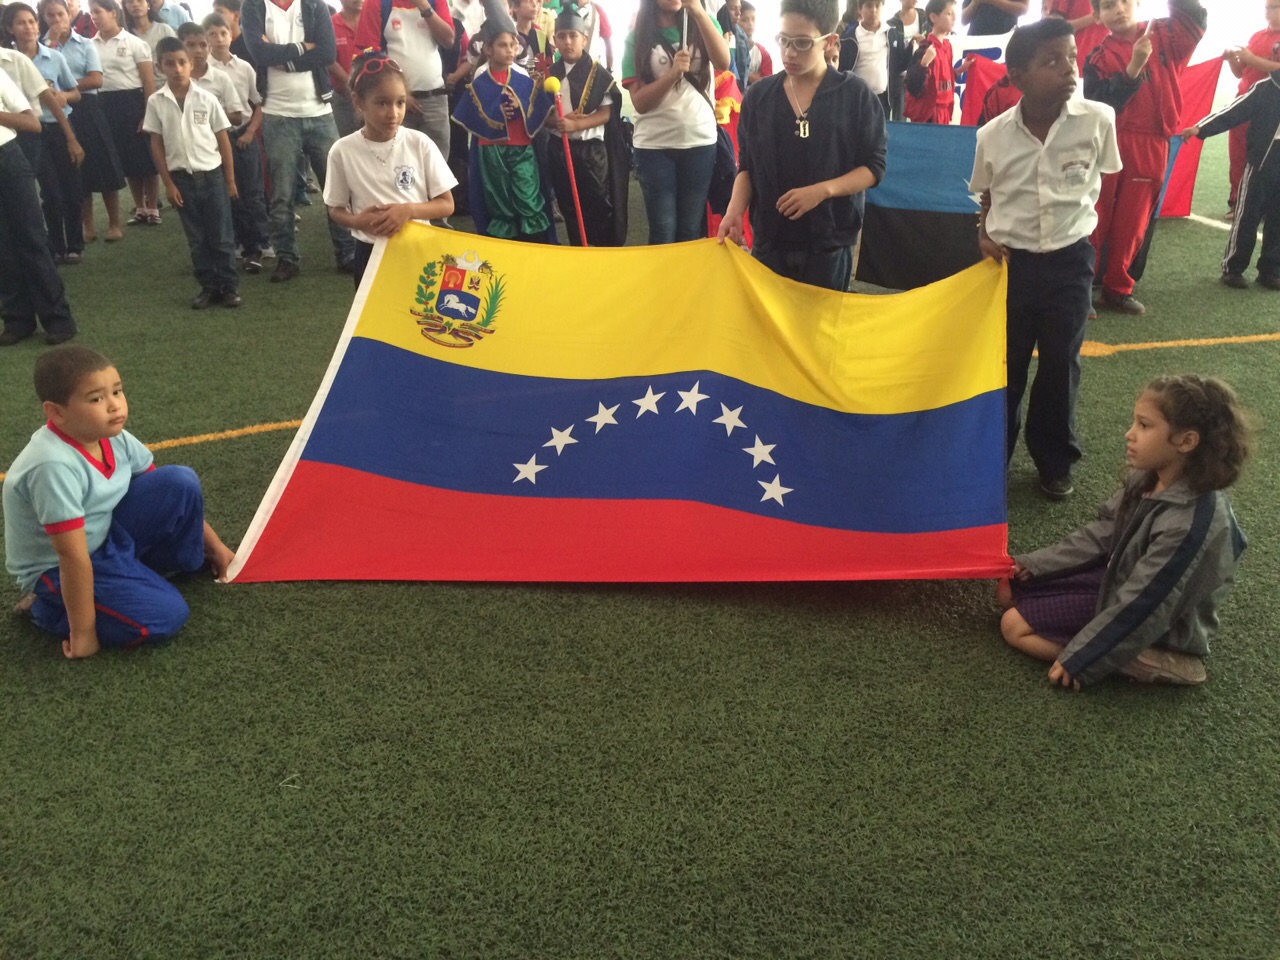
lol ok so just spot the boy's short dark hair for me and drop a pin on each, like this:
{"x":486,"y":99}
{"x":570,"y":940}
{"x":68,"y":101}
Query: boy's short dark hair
{"x":190,"y":29}
{"x":863,"y":3}
{"x":747,"y":8}
{"x":215,"y":20}
{"x":168,"y":45}
{"x":935,"y":8}
{"x":823,"y":14}
{"x":232,"y":5}
{"x":59,"y":370}
{"x":1027,"y":40}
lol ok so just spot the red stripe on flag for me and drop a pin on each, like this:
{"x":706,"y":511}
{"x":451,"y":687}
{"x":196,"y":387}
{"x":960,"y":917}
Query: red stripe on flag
{"x":344,"y":524}
{"x":1198,"y":84}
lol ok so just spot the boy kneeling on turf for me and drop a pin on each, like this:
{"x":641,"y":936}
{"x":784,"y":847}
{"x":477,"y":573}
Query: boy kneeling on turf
{"x":90,"y":525}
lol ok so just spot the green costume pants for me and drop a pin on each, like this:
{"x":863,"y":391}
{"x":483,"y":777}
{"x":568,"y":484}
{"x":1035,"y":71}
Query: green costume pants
{"x":512,"y":191}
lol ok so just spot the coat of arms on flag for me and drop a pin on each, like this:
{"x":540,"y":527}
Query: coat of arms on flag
{"x":462,"y":311}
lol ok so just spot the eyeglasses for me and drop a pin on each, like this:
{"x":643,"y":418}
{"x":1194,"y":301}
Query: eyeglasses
{"x":377,"y":65}
{"x":799,"y":44}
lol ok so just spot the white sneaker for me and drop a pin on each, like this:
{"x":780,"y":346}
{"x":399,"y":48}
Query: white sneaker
{"x":268,"y":252}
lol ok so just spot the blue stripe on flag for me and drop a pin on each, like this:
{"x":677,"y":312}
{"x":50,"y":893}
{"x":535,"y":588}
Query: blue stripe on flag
{"x":927,"y":167}
{"x":425,"y":421}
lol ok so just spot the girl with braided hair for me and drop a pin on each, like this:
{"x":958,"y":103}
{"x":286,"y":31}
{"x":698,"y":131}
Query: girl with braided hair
{"x":1136,"y":591}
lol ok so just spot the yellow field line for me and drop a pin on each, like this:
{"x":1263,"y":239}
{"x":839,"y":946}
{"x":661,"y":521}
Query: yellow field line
{"x":1090,"y":348}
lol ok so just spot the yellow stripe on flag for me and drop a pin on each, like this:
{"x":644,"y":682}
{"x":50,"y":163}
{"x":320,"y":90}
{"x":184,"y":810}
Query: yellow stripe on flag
{"x":691,"y":306}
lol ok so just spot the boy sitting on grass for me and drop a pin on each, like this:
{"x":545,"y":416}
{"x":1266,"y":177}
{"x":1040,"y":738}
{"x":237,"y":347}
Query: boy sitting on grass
{"x":810,"y":140}
{"x":90,"y":525}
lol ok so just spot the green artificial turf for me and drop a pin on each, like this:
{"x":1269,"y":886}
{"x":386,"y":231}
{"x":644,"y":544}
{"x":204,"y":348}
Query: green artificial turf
{"x":493,"y":771}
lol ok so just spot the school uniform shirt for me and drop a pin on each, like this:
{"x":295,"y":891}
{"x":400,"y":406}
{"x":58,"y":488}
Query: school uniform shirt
{"x":158,"y":31}
{"x":406,"y":37}
{"x":223,"y":88}
{"x":23,"y":73}
{"x":82,"y":57}
{"x":245,"y":80}
{"x":409,"y":169}
{"x":12,"y":100}
{"x":120,"y":57}
{"x":872,"y":65}
{"x":344,"y":37}
{"x":1151,"y":104}
{"x":171,"y":15}
{"x":54,"y":486}
{"x":189,"y":130}
{"x":684,"y":117}
{"x":1264,"y":44}
{"x":1043,"y":194}
{"x":57,"y":73}
{"x":846,"y":131}
{"x":290,"y":93}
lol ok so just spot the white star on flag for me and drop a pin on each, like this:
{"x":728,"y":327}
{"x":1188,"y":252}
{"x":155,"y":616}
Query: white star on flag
{"x":773,"y":490}
{"x":529,"y":471}
{"x":648,"y":403}
{"x":689,"y":399}
{"x":759,"y":453}
{"x":730,"y":420}
{"x":561,"y":439}
{"x":604,"y":416}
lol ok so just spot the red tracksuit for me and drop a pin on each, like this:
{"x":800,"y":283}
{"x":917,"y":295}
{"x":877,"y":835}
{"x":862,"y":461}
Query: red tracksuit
{"x":1001,"y":96}
{"x":1147,"y":115}
{"x":931,"y":90}
{"x":1265,"y":44}
{"x":1088,"y":36}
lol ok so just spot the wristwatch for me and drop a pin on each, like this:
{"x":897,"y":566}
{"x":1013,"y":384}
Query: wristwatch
{"x":427,"y":12}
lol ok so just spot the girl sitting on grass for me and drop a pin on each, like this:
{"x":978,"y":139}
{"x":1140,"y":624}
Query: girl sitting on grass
{"x":1137,"y":590}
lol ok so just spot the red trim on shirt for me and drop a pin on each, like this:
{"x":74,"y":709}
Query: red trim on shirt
{"x":62,"y":526}
{"x":106,"y":466}
{"x":150,"y":468}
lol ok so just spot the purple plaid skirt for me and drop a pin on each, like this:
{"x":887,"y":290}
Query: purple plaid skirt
{"x":1059,"y":607}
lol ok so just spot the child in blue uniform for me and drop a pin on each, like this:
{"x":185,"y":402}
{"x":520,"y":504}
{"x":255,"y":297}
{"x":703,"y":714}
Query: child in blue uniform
{"x":90,"y":524}
{"x":1136,"y":591}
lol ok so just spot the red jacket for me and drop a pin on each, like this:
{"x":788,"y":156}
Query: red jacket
{"x":931,"y":90}
{"x":1151,"y":104}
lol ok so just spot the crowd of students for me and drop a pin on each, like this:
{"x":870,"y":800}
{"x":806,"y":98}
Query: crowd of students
{"x":1067,"y":187}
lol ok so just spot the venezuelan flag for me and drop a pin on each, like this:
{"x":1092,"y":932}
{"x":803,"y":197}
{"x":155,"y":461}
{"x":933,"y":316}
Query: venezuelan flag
{"x":500,"y":411}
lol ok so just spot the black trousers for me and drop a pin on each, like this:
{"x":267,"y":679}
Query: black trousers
{"x":360,"y":263}
{"x":1047,"y":308}
{"x":30,"y":288}
{"x":591,"y":170}
{"x":60,"y":193}
{"x":1257,"y":203}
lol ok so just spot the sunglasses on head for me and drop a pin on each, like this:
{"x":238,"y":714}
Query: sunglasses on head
{"x":377,"y":65}
{"x":799,"y":44}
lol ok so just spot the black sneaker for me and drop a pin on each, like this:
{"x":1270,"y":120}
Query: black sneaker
{"x":285,"y":271}
{"x":1123,"y":302}
{"x":10,"y":337}
{"x":1058,"y":489}
{"x":60,"y":336}
{"x":205,"y":299}
{"x":345,"y":266}
{"x":1236,"y":281}
{"x":253,"y":263}
{"x":1269,"y":280}
{"x":231,"y":299}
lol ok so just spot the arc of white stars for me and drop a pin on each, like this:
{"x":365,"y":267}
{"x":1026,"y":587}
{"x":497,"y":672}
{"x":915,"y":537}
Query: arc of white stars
{"x":561,"y":439}
{"x":730,"y":419}
{"x":689,"y":399}
{"x":604,"y":417}
{"x":773,"y":490}
{"x":528,"y":471}
{"x":760,"y":453}
{"x":648,"y":403}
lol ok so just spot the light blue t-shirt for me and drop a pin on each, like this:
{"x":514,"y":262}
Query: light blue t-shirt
{"x":54,"y":486}
{"x":82,"y":58}
{"x":54,"y":68}
{"x":172,"y":14}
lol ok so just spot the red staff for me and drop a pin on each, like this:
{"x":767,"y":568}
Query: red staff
{"x":552,"y":86}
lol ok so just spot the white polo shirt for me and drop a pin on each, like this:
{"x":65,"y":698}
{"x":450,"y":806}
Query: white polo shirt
{"x":408,"y":169}
{"x":189,"y":130}
{"x":290,"y":93}
{"x":223,"y":87}
{"x":12,"y":100}
{"x":1043,"y":194}
{"x":244,"y":77}
{"x":872,"y":66}
{"x":24,"y":73}
{"x":120,"y":57}
{"x":411,"y":44}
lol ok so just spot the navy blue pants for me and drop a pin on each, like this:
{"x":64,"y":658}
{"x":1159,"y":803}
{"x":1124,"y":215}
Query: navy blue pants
{"x":158,"y":528}
{"x":206,"y":220}
{"x":249,"y":210}
{"x":827,"y":267}
{"x":1047,"y":309}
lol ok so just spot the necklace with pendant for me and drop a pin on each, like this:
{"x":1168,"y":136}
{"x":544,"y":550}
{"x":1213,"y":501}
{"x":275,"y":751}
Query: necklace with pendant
{"x":802,"y":116}
{"x":382,"y":159}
